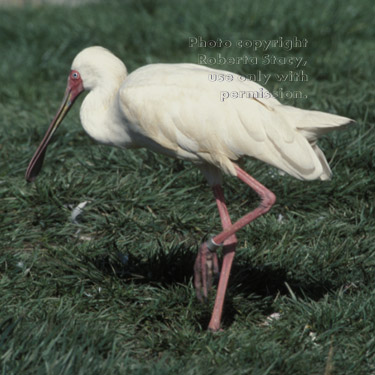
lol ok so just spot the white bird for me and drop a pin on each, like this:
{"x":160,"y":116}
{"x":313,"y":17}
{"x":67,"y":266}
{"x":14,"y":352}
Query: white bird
{"x":176,"y":110}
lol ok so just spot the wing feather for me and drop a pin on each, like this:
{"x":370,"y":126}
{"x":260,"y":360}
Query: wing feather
{"x":175,"y":109}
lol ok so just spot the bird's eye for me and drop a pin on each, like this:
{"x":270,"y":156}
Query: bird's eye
{"x":75,"y":74}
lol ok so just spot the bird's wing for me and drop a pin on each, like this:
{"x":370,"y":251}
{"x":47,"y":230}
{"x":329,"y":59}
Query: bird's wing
{"x":178,"y":110}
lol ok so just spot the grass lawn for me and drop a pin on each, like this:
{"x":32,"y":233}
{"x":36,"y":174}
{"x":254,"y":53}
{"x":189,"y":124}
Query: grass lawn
{"x":113,"y":293}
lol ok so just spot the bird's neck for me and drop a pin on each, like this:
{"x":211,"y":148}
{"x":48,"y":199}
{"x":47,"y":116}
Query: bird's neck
{"x":101,"y":117}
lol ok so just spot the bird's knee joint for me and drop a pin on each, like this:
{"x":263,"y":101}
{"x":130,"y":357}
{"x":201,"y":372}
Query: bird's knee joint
{"x":268,"y":200}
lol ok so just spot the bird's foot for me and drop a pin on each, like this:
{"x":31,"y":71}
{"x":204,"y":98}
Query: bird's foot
{"x":206,"y":268}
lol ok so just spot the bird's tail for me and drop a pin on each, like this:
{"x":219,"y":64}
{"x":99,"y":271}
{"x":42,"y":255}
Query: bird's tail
{"x":314,"y":124}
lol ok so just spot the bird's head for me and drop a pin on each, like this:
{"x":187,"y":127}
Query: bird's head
{"x":99,"y":67}
{"x":91,"y":68}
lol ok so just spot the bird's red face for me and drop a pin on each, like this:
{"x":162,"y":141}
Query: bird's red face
{"x":73,"y":89}
{"x":75,"y":84}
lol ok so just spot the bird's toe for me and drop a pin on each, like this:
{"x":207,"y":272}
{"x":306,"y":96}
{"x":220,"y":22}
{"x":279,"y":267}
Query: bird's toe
{"x":206,"y":270}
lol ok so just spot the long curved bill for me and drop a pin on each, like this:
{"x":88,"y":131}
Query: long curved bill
{"x":36,"y":162}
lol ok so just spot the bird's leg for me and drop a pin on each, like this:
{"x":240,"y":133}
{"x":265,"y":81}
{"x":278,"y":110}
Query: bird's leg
{"x":206,"y":264}
{"x":229,"y":248}
{"x":267,"y":200}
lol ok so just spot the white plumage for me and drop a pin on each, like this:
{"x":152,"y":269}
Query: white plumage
{"x":174,"y":109}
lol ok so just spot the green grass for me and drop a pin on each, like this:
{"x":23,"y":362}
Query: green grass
{"x":116,"y":297}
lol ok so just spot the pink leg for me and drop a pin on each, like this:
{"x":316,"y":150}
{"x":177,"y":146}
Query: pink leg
{"x":229,"y":248}
{"x":227,"y":237}
{"x":206,"y":263}
{"x":268,"y":199}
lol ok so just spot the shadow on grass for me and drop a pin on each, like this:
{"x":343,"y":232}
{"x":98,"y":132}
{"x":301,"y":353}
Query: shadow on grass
{"x":267,"y":283}
{"x":176,"y":267}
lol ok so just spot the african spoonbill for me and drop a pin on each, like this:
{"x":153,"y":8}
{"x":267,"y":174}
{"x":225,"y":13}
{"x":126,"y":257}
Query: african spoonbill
{"x":176,"y":110}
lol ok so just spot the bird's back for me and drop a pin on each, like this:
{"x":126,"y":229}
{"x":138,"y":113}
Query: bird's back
{"x":179,"y":109}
